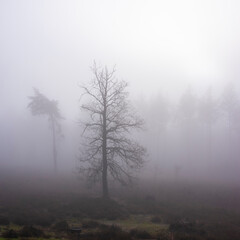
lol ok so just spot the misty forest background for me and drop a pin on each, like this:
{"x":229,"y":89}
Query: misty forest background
{"x":180,"y":62}
{"x":196,"y":137}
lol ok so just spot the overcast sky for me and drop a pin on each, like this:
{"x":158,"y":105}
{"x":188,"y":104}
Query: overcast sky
{"x":156,"y":45}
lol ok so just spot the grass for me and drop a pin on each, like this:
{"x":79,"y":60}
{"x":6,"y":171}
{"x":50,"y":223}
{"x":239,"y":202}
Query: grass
{"x":6,"y":238}
{"x":215,"y":210}
{"x":141,"y":222}
{"x":29,"y":238}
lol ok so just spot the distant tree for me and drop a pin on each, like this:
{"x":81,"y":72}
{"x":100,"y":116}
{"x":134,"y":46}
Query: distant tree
{"x":158,"y":114}
{"x":186,"y":118}
{"x":229,"y":104}
{"x":187,"y":107}
{"x":208,"y":115}
{"x":41,"y":105}
{"x":108,"y":147}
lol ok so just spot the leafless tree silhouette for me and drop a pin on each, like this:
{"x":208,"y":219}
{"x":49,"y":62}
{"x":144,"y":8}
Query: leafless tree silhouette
{"x":108,"y":146}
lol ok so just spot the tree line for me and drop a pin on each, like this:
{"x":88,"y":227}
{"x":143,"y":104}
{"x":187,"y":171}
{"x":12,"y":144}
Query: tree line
{"x":109,"y":148}
{"x":197,"y":130}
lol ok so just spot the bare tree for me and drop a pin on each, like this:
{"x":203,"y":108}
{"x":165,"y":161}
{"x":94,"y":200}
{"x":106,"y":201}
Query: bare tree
{"x":41,"y":105}
{"x":108,"y":147}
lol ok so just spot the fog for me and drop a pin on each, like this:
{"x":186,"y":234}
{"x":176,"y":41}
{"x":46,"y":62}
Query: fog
{"x":180,"y":59}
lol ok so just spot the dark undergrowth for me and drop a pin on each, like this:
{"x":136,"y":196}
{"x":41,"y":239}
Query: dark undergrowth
{"x":187,"y":212}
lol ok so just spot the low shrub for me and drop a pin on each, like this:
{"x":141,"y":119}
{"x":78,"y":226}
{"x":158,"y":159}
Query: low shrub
{"x":142,"y":234}
{"x":90,"y":224}
{"x":164,"y":235}
{"x":10,"y":234}
{"x":186,"y":227}
{"x":156,"y":219}
{"x":61,"y":226}
{"x":112,"y":233}
{"x":30,"y":231}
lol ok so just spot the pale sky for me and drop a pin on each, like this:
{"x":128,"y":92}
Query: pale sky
{"x":156,"y":46}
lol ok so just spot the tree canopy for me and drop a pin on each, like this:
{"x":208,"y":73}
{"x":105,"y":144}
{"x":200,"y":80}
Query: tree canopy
{"x":41,"y":105}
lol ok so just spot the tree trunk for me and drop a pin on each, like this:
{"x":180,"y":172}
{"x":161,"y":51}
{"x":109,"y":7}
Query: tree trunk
{"x":54,"y":145}
{"x":104,"y":157}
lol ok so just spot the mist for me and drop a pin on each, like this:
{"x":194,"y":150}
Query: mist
{"x":179,"y":60}
{"x":160,"y":49}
